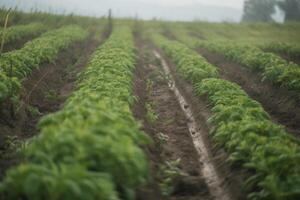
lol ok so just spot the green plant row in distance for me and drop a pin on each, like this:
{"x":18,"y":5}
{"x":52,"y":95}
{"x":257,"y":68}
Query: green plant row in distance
{"x":19,"y":32}
{"x":273,"y":67}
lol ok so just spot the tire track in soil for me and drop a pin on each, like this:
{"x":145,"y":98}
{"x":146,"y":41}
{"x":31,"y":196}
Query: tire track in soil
{"x":59,"y":79}
{"x":283,"y":106}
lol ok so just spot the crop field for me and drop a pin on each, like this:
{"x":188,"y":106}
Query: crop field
{"x":126,"y":109}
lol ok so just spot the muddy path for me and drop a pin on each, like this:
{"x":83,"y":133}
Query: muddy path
{"x":43,"y":92}
{"x":283,"y":106}
{"x":180,"y":134}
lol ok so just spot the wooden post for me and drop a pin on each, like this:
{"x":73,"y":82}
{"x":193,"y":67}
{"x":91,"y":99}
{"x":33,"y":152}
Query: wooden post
{"x":4,"y":31}
{"x":12,"y":108}
{"x":110,"y":22}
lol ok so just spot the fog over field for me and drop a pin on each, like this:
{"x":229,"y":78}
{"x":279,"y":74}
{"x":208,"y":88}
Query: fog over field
{"x":213,"y":10}
{"x":183,"y":10}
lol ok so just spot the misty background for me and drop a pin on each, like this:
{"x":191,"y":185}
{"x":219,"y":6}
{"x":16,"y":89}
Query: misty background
{"x":175,"y":10}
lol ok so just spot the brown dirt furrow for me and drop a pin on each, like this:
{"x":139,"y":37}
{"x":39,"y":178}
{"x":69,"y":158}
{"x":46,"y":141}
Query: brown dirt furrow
{"x":282,"y":105}
{"x":43,"y":92}
{"x":232,"y":177}
{"x":173,"y":125}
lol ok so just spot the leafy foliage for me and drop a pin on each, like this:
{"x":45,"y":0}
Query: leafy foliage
{"x":274,"y":68}
{"x":89,"y":149}
{"x":151,"y":115}
{"x":291,"y":9}
{"x":283,"y":48}
{"x":35,"y":182}
{"x":18,"y":64}
{"x":245,"y":130}
{"x":247,"y":133}
{"x":15,"y":33}
{"x":259,"y":10}
{"x":190,"y":65}
{"x":169,"y":172}
{"x":49,"y":18}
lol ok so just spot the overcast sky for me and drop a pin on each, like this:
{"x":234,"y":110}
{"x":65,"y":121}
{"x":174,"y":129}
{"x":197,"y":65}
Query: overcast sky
{"x":238,"y":4}
{"x":230,"y":3}
{"x":211,"y":10}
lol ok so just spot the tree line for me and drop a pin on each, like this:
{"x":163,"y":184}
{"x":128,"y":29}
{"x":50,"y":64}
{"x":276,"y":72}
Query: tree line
{"x":262,"y":10}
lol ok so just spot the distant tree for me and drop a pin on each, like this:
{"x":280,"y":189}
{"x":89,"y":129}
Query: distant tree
{"x":291,"y":9}
{"x":259,"y":10}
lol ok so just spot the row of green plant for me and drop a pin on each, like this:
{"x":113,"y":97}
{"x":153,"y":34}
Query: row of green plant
{"x":283,"y":48}
{"x":246,"y":33}
{"x":49,"y":18}
{"x":91,"y":148}
{"x":190,"y":64}
{"x":18,"y":64}
{"x":275,"y":38}
{"x":19,"y":32}
{"x":274,"y":68}
{"x":245,"y":130}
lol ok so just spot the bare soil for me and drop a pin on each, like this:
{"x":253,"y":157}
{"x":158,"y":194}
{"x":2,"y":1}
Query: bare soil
{"x":44,"y":92}
{"x":233,"y":176}
{"x":283,"y":106}
{"x":172,"y":123}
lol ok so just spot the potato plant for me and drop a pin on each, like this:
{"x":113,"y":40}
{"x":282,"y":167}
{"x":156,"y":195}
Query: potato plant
{"x":273,"y":67}
{"x":17,"y":65}
{"x":189,"y":64}
{"x":18,"y":32}
{"x":253,"y":140}
{"x":91,"y":148}
{"x":292,"y":50}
